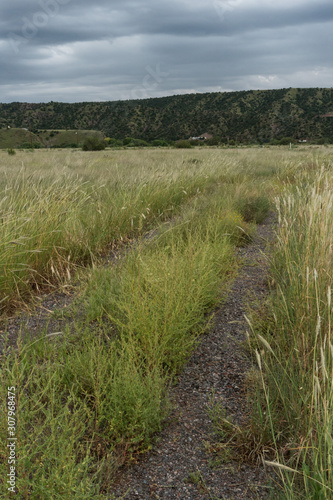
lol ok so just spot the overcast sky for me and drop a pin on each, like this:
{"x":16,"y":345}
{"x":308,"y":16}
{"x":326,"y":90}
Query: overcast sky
{"x":101,"y":50}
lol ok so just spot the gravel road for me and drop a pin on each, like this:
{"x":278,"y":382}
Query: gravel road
{"x":178,"y":467}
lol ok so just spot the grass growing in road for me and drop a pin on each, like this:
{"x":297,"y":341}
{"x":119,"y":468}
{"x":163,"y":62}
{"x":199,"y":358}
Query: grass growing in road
{"x":107,"y":386}
{"x":93,"y":396}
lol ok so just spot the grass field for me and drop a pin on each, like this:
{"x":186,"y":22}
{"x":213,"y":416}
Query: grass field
{"x":90,"y":398}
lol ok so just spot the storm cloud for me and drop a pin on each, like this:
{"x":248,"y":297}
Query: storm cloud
{"x":72,"y":51}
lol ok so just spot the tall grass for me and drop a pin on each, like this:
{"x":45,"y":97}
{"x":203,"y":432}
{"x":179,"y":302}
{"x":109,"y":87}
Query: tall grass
{"x":60,"y":210}
{"x":91,"y":398}
{"x":162,"y":292}
{"x":296,"y":361}
{"x":51,"y":223}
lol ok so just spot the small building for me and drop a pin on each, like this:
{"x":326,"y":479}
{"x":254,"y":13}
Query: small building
{"x":202,"y":137}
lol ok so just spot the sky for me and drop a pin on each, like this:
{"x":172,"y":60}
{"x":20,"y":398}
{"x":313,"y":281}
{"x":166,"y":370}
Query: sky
{"x":106,"y":50}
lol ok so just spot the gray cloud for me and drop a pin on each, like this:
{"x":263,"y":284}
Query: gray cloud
{"x":69,"y":51}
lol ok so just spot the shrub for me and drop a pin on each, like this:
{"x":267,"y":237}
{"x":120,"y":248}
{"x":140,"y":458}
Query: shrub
{"x":139,"y":143}
{"x":113,"y":143}
{"x":11,"y":151}
{"x":133,"y":143}
{"x":93,"y":144}
{"x":322,"y":141}
{"x":285,"y":141}
{"x":160,"y":143}
{"x":183,"y":144}
{"x":127,"y":141}
{"x":27,"y":145}
{"x":214,"y":141}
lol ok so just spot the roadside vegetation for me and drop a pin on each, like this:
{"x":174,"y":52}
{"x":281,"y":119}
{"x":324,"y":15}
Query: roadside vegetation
{"x":290,"y":386}
{"x":93,"y":396}
{"x":294,"y":350}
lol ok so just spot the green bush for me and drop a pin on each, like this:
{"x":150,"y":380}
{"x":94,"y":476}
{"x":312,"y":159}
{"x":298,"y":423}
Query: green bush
{"x":139,"y":143}
{"x":285,"y":141}
{"x":93,"y":144}
{"x":183,"y":144}
{"x":159,"y":143}
{"x":322,"y":141}
{"x":214,"y":141}
{"x":127,"y":141}
{"x":26,"y":145}
{"x":11,"y":151}
{"x":130,"y":142}
{"x":113,"y":143}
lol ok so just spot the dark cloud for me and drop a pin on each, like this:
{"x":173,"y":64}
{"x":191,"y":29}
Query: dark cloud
{"x":73,"y":51}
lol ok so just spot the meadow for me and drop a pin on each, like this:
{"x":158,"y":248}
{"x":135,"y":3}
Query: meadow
{"x":92,"y":397}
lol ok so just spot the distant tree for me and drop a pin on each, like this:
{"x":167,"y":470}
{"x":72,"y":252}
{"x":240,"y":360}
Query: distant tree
{"x":322,"y":140}
{"x":285,"y":141}
{"x":93,"y":144}
{"x":139,"y":143}
{"x":134,"y":143}
{"x":214,"y":141}
{"x":182,"y":144}
{"x":127,"y":141}
{"x":159,"y":143}
{"x":113,"y":143}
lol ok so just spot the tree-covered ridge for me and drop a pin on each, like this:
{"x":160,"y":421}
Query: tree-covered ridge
{"x":245,"y":116}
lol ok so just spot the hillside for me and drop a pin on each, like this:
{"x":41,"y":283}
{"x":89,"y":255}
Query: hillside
{"x":22,"y":137}
{"x":246,"y":116}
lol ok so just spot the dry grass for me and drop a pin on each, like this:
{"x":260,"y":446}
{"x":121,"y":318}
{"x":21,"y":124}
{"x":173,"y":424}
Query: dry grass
{"x":296,"y":364}
{"x":90,"y":399}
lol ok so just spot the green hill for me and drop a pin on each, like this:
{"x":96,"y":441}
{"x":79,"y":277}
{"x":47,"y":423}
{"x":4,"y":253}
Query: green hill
{"x":16,"y":137}
{"x":22,"y":138}
{"x":246,"y":116}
